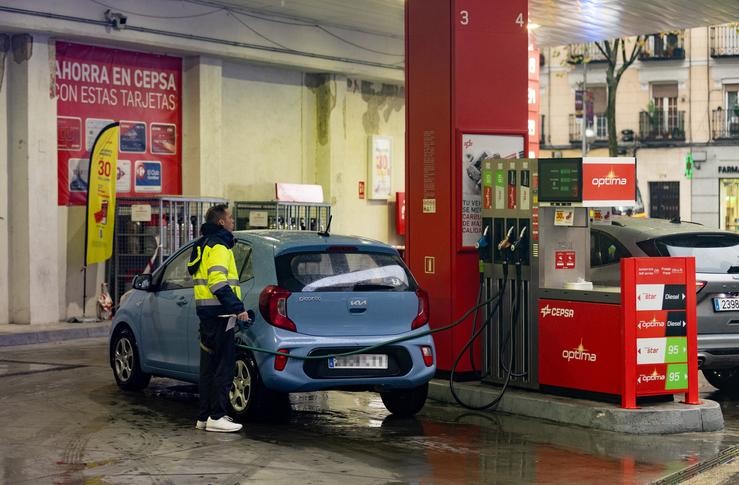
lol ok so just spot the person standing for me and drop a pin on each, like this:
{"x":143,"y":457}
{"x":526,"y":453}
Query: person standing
{"x":217,"y":293}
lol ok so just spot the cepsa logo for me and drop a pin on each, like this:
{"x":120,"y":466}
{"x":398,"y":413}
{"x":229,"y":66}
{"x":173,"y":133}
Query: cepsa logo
{"x":653,"y":377}
{"x":610,"y":179}
{"x":579,"y":353}
{"x":557,"y":312}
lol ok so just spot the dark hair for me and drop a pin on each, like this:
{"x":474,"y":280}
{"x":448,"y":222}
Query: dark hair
{"x":216,"y":213}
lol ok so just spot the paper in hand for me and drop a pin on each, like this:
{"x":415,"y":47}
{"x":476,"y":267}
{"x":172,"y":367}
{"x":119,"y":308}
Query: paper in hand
{"x":231,"y":322}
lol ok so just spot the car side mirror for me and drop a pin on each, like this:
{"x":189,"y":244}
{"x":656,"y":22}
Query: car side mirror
{"x":142,"y":282}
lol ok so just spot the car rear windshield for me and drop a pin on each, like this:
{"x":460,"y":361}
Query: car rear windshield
{"x":714,"y":253}
{"x":343,"y":271}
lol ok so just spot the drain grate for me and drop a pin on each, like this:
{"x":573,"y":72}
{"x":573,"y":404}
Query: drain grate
{"x":724,"y":456}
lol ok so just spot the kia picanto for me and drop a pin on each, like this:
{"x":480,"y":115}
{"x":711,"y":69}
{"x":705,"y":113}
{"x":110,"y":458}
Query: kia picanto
{"x":313,"y":295}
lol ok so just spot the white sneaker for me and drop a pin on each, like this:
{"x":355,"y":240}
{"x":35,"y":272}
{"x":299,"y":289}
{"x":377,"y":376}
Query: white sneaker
{"x":200,"y":424}
{"x":222,"y":425}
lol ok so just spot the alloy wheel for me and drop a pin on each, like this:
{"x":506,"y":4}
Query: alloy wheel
{"x":240,"y":392}
{"x":124,"y":359}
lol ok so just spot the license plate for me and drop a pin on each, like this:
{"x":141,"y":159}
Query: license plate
{"x":360,"y":361}
{"x":726,"y":304}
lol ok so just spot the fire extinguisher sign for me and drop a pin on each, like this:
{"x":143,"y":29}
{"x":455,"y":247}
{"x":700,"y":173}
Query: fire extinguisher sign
{"x":660,"y":330}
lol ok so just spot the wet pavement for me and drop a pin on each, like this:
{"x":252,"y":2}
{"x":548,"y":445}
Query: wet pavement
{"x":65,"y":421}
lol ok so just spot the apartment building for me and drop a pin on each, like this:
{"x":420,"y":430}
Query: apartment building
{"x":677,"y":111}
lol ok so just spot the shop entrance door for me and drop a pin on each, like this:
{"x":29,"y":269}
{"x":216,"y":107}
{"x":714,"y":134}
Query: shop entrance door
{"x":729,"y":204}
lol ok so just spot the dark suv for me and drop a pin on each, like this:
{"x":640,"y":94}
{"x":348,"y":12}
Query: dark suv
{"x":717,"y":280}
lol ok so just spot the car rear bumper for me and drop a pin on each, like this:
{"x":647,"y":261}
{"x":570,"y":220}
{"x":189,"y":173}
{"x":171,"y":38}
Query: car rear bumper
{"x":718,"y":351}
{"x":305,"y":376}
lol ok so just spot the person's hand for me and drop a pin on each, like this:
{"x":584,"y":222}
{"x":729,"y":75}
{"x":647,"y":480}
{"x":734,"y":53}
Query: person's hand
{"x":243,"y":316}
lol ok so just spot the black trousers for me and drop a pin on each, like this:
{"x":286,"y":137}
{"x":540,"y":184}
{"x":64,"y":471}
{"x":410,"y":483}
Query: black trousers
{"x":217,"y":362}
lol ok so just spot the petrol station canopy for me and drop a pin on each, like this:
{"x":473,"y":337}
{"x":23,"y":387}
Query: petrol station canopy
{"x":560,"y":21}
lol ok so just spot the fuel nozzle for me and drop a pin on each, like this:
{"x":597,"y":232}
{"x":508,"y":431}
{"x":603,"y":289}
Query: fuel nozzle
{"x":515,"y":245}
{"x":482,"y":243}
{"x":506,"y":242}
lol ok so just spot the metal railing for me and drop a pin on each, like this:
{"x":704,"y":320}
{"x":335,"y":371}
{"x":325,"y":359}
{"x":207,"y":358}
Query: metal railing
{"x":600,"y":127}
{"x":724,"y":124}
{"x":663,"y":46}
{"x":661,"y":126}
{"x":725,"y":40}
{"x":148,"y":231}
{"x":295,"y":216}
{"x":577,"y":52}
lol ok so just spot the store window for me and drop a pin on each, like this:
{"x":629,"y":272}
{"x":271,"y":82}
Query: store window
{"x":729,"y":215}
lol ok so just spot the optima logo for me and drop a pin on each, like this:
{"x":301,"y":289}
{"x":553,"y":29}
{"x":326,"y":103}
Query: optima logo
{"x":610,"y":179}
{"x":653,"y":377}
{"x":557,"y":312}
{"x":579,"y":353}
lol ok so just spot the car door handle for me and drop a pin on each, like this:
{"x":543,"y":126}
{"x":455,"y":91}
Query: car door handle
{"x":181,"y":301}
{"x":357,"y":310}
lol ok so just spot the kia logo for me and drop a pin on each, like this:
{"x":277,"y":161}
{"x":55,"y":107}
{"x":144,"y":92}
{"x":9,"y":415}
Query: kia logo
{"x":357,"y":302}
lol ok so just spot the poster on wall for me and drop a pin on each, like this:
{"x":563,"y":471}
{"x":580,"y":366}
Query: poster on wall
{"x":379,"y":170}
{"x":475,"y":149}
{"x":96,"y":86}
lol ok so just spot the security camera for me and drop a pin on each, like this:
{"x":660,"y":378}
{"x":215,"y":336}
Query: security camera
{"x":116,"y":19}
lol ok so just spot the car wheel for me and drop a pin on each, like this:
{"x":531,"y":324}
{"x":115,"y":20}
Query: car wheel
{"x":405,"y":402}
{"x":126,"y":365}
{"x":723,"y":379}
{"x":248,"y":397}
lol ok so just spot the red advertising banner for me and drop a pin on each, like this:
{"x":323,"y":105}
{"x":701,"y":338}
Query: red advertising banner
{"x":97,"y":86}
{"x":660,"y":331}
{"x":608,"y":181}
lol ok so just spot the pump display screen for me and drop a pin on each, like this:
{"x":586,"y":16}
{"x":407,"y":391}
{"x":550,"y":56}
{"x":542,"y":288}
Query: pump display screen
{"x":560,"y":180}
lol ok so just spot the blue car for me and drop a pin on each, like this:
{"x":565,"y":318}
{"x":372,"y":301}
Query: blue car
{"x":316,"y":295}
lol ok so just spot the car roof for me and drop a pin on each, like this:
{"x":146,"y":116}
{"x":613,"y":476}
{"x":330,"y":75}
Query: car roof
{"x":642,"y":228}
{"x":289,"y":241}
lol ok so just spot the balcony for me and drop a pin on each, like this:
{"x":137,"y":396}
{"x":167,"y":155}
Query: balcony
{"x":576,"y":53}
{"x":724,"y":124}
{"x":663,"y":47}
{"x":662,"y":127}
{"x":725,"y":40}
{"x":600,"y":125}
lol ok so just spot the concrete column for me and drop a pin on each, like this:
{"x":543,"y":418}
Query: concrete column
{"x":4,"y":313}
{"x":201,"y":126}
{"x":32,"y":186}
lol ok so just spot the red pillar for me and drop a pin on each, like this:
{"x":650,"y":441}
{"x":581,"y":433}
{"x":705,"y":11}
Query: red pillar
{"x":466,"y":72}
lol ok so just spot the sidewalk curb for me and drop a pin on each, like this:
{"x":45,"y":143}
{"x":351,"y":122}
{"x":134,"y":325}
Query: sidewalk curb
{"x":57,"y":335}
{"x":661,"y":418}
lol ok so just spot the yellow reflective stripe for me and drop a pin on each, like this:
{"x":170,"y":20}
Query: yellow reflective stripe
{"x":233,"y":282}
{"x":200,"y":282}
{"x":220,"y":269}
{"x":194,"y":261}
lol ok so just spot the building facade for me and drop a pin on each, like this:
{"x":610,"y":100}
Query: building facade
{"x":676,"y":110}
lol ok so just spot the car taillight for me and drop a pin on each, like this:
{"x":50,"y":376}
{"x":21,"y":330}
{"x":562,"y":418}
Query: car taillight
{"x":422,"y":317}
{"x":428,"y":355}
{"x":699,"y":285}
{"x":273,"y":307}
{"x":281,"y":360}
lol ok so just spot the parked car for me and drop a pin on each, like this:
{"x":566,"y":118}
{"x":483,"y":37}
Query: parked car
{"x":717,"y":280}
{"x":316,"y":295}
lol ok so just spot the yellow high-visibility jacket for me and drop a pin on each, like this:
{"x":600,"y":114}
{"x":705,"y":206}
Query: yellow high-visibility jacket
{"x":215,"y":277}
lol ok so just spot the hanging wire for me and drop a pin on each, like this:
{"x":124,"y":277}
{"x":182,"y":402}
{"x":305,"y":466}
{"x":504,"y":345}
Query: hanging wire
{"x":129,"y":12}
